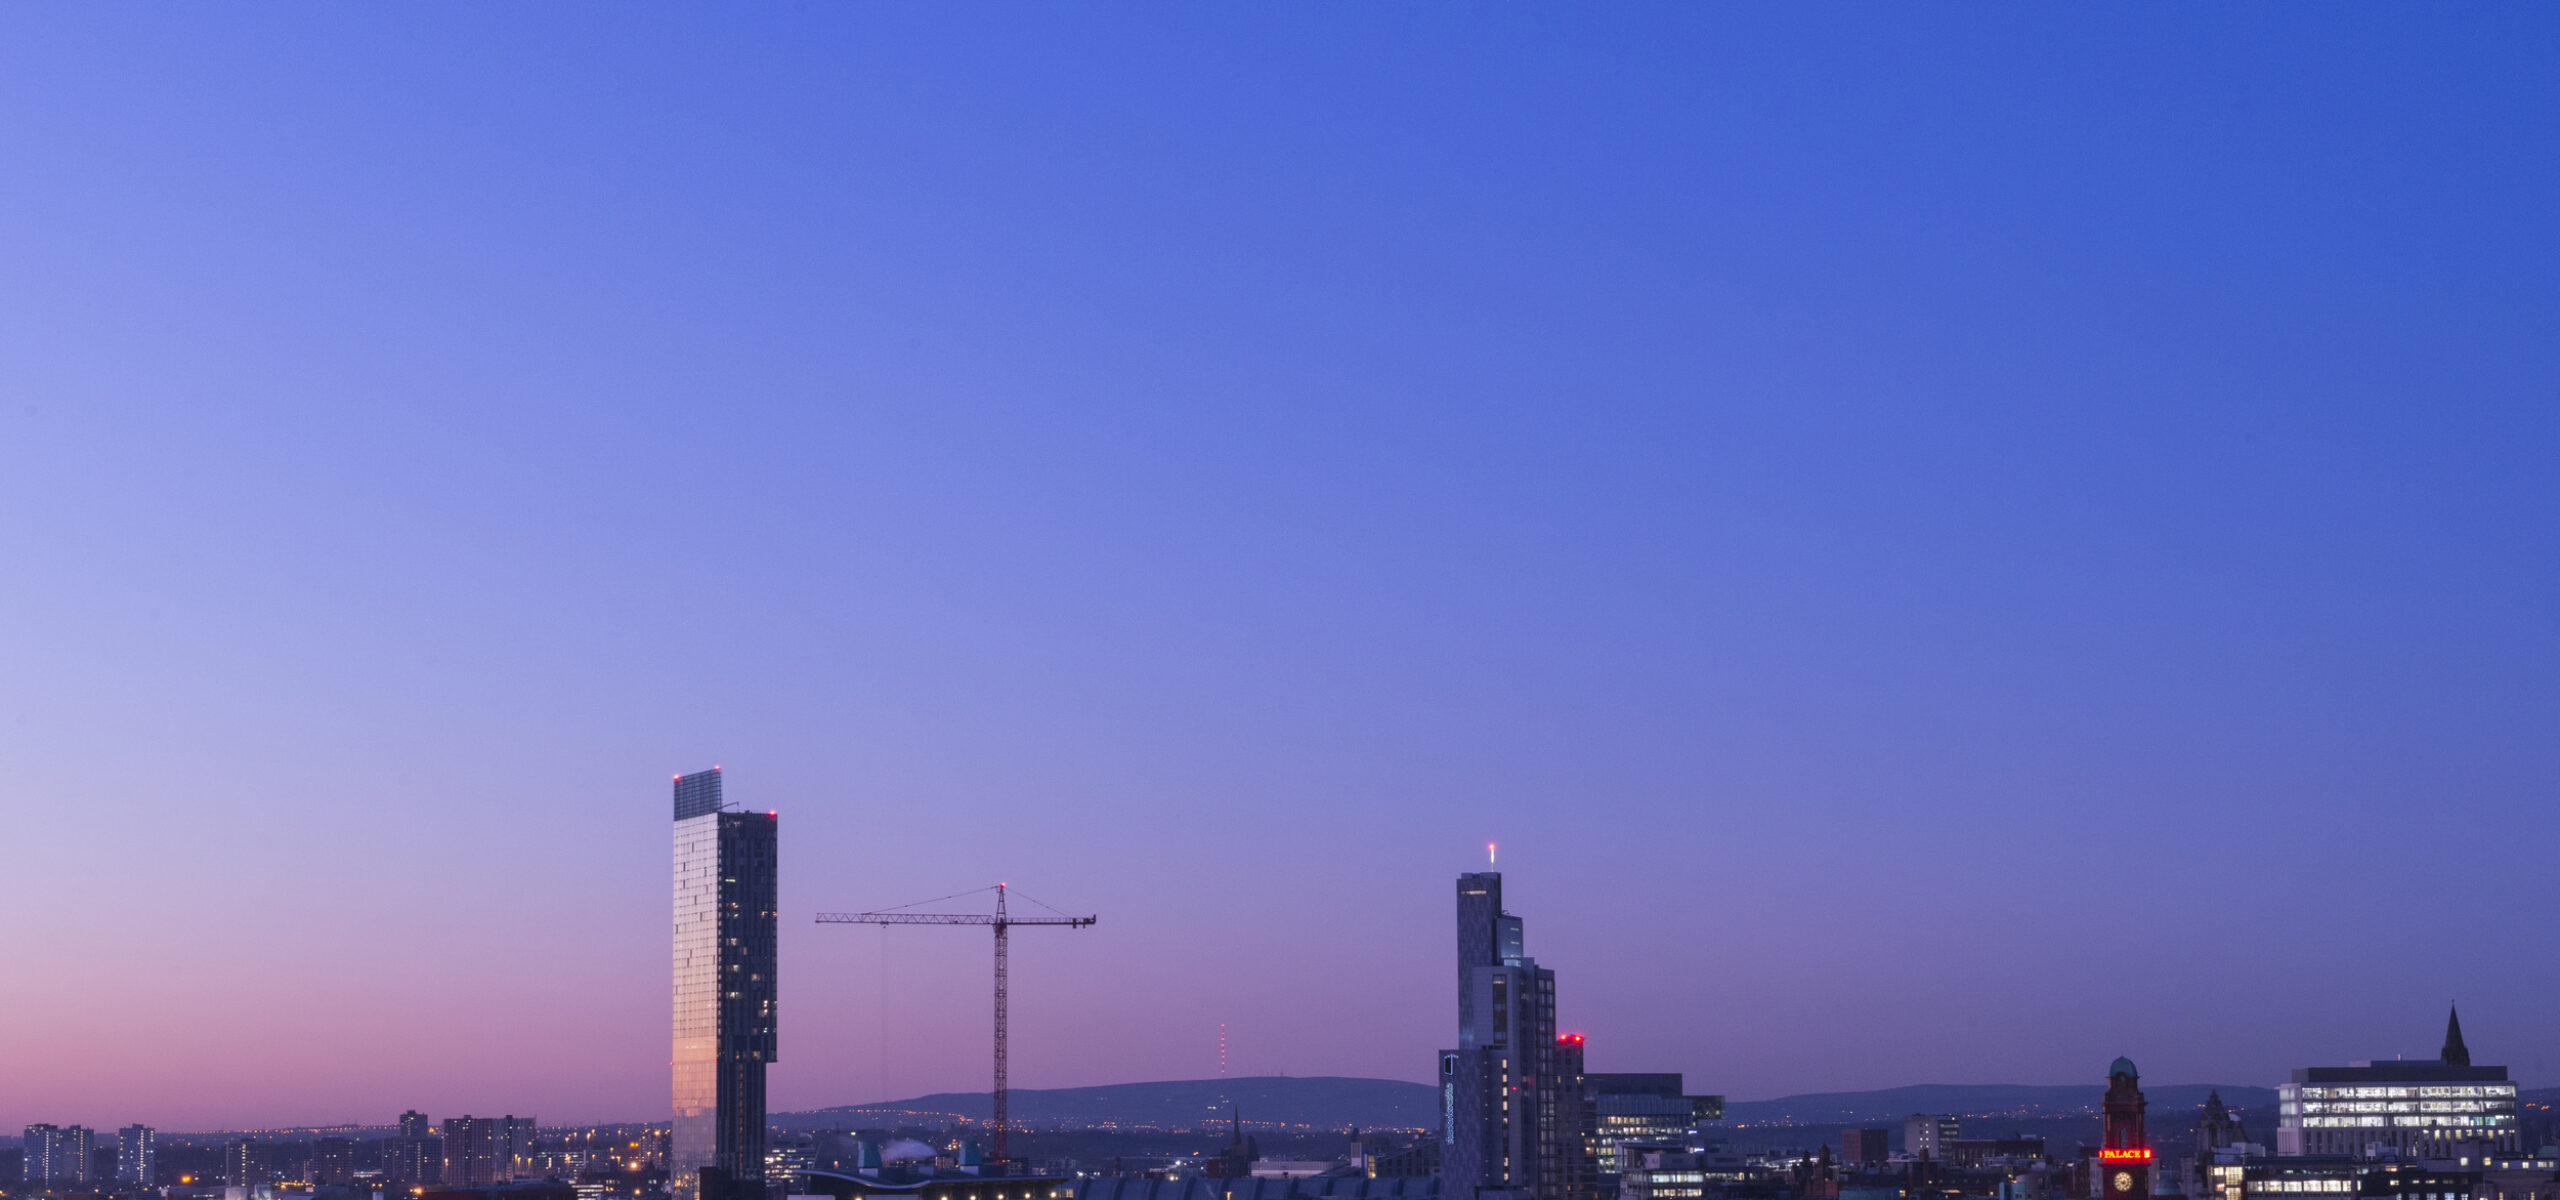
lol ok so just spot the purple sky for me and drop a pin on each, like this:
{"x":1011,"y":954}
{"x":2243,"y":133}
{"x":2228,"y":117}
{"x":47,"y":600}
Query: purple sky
{"x":1947,"y":544}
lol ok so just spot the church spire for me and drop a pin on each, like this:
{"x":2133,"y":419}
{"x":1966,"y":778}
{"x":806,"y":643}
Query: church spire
{"x":2455,"y":1053}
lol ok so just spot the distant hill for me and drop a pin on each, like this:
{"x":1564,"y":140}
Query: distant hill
{"x":1336,"y":1102}
{"x":1315,"y":1102}
{"x":1985,"y":1099}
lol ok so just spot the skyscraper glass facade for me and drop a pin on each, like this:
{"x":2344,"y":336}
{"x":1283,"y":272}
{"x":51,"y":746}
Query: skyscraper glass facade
{"x":725,"y":910}
{"x":1501,"y":1106}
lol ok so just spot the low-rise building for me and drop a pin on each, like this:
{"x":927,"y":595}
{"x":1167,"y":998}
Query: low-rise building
{"x":1925,"y":1135}
{"x":1864,"y":1148}
{"x":1658,"y":1173}
{"x":1974,"y":1153}
{"x":1650,"y":1108}
{"x":2407,"y":1109}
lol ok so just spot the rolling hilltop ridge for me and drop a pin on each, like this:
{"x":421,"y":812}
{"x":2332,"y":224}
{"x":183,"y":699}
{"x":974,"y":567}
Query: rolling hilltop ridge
{"x":1337,"y":1102}
{"x":1978,"y":1100}
{"x":1262,"y":1101}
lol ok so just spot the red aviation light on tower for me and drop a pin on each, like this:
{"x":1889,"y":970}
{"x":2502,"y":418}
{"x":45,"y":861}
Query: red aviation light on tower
{"x":2129,"y":1154}
{"x":1568,"y":1039}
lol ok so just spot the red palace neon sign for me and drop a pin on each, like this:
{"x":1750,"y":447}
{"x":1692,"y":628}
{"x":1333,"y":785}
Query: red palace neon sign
{"x":2134,"y":1155}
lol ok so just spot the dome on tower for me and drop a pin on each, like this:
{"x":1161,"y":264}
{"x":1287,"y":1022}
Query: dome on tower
{"x":2122,"y":1066}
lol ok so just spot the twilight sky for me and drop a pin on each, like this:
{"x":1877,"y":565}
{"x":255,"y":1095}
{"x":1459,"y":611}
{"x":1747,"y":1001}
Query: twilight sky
{"x":1947,"y":544}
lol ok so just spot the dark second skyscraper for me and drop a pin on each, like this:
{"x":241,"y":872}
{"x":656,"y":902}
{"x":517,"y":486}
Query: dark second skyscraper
{"x":724,"y":993}
{"x":1504,"y":1077}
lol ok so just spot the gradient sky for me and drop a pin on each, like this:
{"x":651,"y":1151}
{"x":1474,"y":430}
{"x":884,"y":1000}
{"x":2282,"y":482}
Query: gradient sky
{"x":1947,"y":543}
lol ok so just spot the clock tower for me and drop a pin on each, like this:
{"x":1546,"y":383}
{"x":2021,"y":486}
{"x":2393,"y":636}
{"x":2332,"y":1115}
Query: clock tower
{"x":2124,"y":1153}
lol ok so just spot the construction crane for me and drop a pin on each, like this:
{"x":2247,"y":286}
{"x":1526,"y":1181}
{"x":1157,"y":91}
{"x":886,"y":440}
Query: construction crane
{"x":1001,"y":923}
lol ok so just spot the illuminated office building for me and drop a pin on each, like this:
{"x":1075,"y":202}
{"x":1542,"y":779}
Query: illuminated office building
{"x":724,"y":993}
{"x":57,"y":1154}
{"x":2430,"y":1109}
{"x":1657,"y":1173}
{"x":1929,"y":1135}
{"x":137,"y":1157}
{"x":1647,"y":1108}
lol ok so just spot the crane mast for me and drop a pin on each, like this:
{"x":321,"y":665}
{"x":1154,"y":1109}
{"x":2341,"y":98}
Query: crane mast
{"x":1003,"y":923}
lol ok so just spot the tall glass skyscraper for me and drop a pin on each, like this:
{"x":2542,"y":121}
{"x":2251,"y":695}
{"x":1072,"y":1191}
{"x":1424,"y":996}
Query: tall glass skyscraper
{"x":724,"y":994}
{"x":1505,"y":1116}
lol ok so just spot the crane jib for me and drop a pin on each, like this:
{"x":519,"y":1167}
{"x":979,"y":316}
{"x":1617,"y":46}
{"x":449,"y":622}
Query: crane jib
{"x":999,"y":1119}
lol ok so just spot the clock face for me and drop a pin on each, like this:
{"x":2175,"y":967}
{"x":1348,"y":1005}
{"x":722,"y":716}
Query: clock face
{"x":2124,"y":1181}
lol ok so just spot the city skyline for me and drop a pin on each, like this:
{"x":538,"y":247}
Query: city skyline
{"x":700,"y":797}
{"x":1942,"y":549}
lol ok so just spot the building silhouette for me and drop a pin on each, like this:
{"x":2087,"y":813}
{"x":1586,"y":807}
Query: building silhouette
{"x":2124,"y":1148}
{"x":515,"y":1147}
{"x":470,"y":1151}
{"x":2219,"y":1135}
{"x":333,"y":1161}
{"x":137,"y":1154}
{"x":724,"y":993}
{"x":1863,"y":1148}
{"x":58,"y":1154}
{"x":1500,"y":1083}
{"x":244,"y":1163}
{"x":414,"y":1160}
